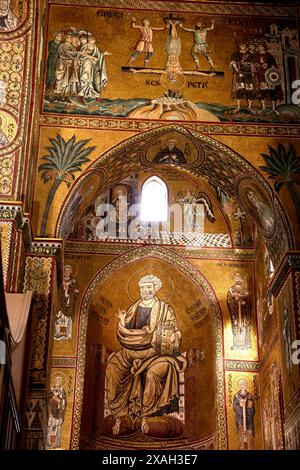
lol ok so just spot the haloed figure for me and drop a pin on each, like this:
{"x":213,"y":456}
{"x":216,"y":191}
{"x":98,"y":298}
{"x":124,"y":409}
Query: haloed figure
{"x":141,"y":381}
{"x":57,"y":402}
{"x":239,"y":305}
{"x":67,"y":299}
{"x":8,"y":21}
{"x":264,"y":212}
{"x":170,"y":154}
{"x":243,"y":406}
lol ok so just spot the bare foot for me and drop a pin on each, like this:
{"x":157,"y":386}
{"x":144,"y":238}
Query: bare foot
{"x":236,"y":110}
{"x":145,"y":426}
{"x":116,"y":427}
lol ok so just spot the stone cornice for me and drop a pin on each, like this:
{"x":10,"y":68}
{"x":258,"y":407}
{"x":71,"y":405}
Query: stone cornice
{"x":290,"y":261}
{"x":13,"y":211}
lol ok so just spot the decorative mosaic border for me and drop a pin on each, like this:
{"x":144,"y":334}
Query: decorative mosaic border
{"x":127,"y":124}
{"x":189,"y":7}
{"x":103,"y":248}
{"x":5,"y":258}
{"x":12,"y":212}
{"x":297,"y":302}
{"x":10,"y":182}
{"x":40,"y":284}
{"x":190,"y":271}
{"x":46,"y":247}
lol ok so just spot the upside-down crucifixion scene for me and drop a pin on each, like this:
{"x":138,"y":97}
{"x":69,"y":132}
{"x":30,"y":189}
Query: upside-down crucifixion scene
{"x":149,"y":225}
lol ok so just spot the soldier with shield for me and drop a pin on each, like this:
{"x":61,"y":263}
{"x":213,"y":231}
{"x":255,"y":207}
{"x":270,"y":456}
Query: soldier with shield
{"x":269,"y":78}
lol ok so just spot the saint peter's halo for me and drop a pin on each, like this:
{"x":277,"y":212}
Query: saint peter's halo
{"x":236,"y":380}
{"x":165,"y":293}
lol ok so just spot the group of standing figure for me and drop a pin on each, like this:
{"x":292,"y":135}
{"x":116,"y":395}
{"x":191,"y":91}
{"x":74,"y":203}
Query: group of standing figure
{"x":75,"y":66}
{"x":250,"y":64}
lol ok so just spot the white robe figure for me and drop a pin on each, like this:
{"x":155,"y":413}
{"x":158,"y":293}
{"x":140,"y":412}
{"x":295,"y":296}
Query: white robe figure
{"x":67,"y":69}
{"x":93,"y":76}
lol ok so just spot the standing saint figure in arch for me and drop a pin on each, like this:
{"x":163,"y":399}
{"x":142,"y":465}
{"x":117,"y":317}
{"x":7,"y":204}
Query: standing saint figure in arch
{"x":264,"y":212}
{"x":67,"y":300}
{"x":143,"y":377}
{"x":243,"y":406}
{"x":57,"y":402}
{"x":239,"y":305}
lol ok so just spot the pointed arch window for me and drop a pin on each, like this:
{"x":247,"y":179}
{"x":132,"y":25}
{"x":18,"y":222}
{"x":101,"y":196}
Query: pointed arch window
{"x":154,"y":200}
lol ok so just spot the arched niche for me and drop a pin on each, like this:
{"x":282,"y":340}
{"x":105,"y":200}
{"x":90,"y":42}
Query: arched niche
{"x":200,"y":320}
{"x":191,"y":202}
{"x":203,"y":157}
